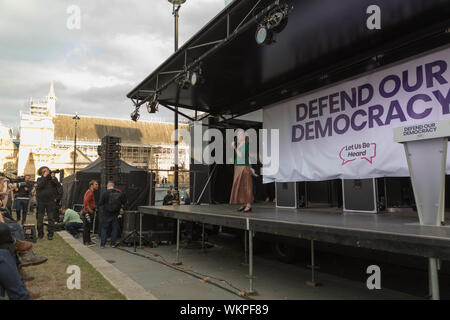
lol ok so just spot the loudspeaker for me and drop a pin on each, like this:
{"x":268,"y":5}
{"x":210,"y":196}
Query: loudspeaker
{"x":360,"y":195}
{"x":198,"y":176}
{"x":199,"y":172}
{"x":129,"y":218}
{"x":153,"y":228}
{"x":286,"y":194}
{"x":152,"y":191}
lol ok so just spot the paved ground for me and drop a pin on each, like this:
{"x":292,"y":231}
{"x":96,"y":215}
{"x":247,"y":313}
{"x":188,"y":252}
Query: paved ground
{"x":128,"y":287}
{"x":219,"y":273}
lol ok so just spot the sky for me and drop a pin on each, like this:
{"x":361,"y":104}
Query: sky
{"x":117,"y":45}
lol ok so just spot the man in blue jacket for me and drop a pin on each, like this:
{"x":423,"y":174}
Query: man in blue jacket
{"x":10,"y":280}
{"x":111,"y":201}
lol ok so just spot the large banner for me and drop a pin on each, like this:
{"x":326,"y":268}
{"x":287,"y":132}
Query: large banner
{"x":346,"y":131}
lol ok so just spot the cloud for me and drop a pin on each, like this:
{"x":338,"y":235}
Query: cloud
{"x":120,"y":43}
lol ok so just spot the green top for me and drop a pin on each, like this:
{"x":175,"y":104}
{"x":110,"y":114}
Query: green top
{"x":72,"y":216}
{"x":243,"y":159}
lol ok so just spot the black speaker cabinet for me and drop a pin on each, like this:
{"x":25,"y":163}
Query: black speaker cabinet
{"x":153,"y":228}
{"x":291,"y":194}
{"x":286,"y":194}
{"x":199,"y":171}
{"x":360,"y":195}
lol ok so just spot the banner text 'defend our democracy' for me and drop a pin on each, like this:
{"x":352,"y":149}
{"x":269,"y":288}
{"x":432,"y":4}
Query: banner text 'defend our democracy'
{"x":365,"y":114}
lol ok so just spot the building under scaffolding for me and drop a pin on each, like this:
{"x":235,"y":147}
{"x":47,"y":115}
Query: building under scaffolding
{"x":47,"y":138}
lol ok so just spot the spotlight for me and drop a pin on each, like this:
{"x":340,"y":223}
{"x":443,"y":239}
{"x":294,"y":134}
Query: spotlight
{"x":191,"y":78}
{"x":135,"y":115}
{"x":263,"y":35}
{"x":184,"y":82}
{"x":273,"y":23}
{"x":152,"y":106}
{"x":196,"y":77}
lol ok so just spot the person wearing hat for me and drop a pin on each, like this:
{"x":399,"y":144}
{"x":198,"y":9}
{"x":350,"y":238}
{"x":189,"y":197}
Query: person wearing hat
{"x":47,"y":193}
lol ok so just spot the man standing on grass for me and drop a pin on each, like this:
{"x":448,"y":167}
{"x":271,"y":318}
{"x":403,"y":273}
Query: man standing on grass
{"x":88,"y":212}
{"x":111,"y":201}
{"x":23,"y":198}
{"x":47,"y":191}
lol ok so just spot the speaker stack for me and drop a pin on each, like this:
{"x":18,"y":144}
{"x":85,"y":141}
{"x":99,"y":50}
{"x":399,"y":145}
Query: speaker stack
{"x":109,"y":152}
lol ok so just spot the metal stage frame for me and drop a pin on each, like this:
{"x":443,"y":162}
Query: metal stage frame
{"x":225,"y":55}
{"x":385,"y":232}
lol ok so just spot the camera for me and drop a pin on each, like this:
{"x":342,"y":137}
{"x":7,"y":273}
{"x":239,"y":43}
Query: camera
{"x":20,"y":184}
{"x":55,"y":171}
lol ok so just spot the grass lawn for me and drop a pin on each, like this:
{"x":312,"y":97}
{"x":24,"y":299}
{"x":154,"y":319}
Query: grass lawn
{"x":51,"y":277}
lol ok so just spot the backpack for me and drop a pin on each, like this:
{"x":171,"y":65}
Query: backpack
{"x":114,"y":202}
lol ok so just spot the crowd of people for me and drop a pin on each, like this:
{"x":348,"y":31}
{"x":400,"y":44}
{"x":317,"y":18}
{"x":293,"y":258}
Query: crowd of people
{"x":16,"y":253}
{"x":47,"y":193}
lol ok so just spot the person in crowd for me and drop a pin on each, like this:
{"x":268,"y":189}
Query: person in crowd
{"x":33,"y":201}
{"x":72,"y":221}
{"x":26,"y":256}
{"x":168,"y":199}
{"x":23,"y":193}
{"x":12,"y":276}
{"x":242,"y":190}
{"x":59,"y":195}
{"x":11,"y":197}
{"x":10,"y":280}
{"x":89,"y":208}
{"x":47,"y":193}
{"x":3,"y":192}
{"x":111,"y":201}
{"x":16,"y":228}
{"x":187,"y":198}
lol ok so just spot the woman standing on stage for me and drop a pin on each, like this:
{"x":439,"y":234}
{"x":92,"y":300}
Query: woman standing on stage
{"x":242,"y":191}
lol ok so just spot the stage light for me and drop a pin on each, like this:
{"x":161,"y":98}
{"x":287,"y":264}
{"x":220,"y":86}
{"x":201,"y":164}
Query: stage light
{"x":135,"y":115}
{"x":177,"y":2}
{"x":263,"y":35}
{"x":273,"y":23}
{"x":184,"y":82}
{"x":152,"y":106}
{"x":190,"y":78}
{"x":196,"y":77}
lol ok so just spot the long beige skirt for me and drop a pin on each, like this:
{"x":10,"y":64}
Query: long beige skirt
{"x":242,"y":191}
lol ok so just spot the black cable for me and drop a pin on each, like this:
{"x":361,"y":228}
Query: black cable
{"x":193,"y":274}
{"x":201,"y":274}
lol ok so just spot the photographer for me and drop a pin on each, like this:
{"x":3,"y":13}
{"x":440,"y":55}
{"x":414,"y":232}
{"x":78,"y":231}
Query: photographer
{"x":23,"y":192}
{"x":47,"y":194}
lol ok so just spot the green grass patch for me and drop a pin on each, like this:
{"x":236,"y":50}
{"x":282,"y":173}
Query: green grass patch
{"x":51,"y":277}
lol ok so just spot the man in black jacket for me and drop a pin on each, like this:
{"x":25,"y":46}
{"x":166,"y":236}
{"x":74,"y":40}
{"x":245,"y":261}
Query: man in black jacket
{"x":23,"y":192}
{"x":111,"y":201}
{"x":47,"y":195}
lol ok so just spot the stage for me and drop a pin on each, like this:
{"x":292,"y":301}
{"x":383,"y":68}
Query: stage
{"x":388,"y":232}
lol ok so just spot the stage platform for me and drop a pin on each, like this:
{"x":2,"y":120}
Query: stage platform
{"x":387,"y":232}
